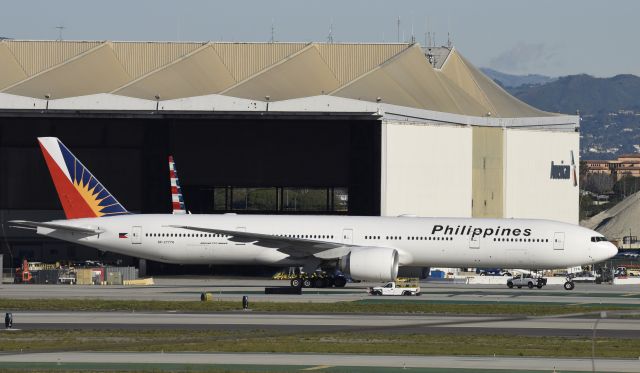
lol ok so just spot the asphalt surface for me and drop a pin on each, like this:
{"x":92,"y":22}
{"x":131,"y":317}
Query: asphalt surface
{"x":189,"y":289}
{"x":325,"y":361}
{"x":300,"y":323}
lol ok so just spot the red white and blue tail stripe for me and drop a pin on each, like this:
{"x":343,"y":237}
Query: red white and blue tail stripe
{"x":81,"y":194}
{"x":176,"y":192}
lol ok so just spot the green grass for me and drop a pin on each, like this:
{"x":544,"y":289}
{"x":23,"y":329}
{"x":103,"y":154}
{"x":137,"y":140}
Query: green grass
{"x":340,"y":342}
{"x":154,"y":368}
{"x":367,"y":306}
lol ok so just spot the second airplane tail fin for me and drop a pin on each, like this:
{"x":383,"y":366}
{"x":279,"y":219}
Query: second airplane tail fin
{"x":81,"y":194}
{"x":177,"y":201}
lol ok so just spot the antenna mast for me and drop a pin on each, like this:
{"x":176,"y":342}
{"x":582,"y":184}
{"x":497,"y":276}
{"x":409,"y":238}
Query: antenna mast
{"x":413,"y":35}
{"x":273,"y":32}
{"x":60,"y":28}
{"x":398,"y":29}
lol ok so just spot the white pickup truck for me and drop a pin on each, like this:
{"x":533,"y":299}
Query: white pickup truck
{"x":526,"y":280}
{"x":390,"y":288}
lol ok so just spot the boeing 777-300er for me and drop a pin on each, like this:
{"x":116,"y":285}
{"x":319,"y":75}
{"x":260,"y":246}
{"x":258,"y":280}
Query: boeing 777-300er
{"x":365,"y":247}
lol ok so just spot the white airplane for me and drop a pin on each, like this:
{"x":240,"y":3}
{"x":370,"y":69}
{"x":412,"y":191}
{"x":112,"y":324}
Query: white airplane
{"x":367,"y":248}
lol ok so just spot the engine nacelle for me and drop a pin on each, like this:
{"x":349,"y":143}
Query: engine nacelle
{"x":371,"y":264}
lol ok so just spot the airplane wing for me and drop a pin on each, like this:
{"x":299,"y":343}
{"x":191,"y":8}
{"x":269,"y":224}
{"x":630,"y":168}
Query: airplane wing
{"x":295,"y":247}
{"x":70,"y":228}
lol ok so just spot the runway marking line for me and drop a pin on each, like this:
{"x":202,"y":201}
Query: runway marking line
{"x":319,"y":367}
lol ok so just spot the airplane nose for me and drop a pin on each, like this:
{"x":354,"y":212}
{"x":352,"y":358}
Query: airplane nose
{"x":611,"y":250}
{"x":604,"y":251}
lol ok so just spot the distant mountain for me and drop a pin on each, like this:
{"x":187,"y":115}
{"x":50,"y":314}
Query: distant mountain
{"x":609,"y":109}
{"x":586,"y":93}
{"x":511,"y":81}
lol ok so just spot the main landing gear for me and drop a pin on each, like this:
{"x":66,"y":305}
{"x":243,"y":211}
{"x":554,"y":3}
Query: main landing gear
{"x":569,"y":285}
{"x":319,"y":282}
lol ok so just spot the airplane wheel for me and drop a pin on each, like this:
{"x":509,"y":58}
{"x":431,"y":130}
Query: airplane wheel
{"x":329,"y":281}
{"x":306,"y":283}
{"x":569,"y":285}
{"x":340,"y":282}
{"x":296,"y":283}
{"x":319,"y":283}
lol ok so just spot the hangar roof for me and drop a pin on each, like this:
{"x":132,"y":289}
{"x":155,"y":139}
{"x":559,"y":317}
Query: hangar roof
{"x":396,"y":74}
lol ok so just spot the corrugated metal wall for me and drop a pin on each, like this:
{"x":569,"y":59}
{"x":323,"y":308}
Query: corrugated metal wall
{"x":246,"y":59}
{"x":140,"y":58}
{"x":398,"y":73}
{"x":37,"y":56}
{"x":348,"y":61}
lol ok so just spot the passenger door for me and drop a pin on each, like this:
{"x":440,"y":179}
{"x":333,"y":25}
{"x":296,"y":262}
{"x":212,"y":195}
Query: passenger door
{"x":558,"y":241}
{"x":474,"y":242}
{"x":347,"y":236}
{"x":136,"y":235}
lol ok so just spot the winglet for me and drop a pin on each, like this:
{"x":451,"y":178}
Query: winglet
{"x":81,"y":194}
{"x":177,"y":201}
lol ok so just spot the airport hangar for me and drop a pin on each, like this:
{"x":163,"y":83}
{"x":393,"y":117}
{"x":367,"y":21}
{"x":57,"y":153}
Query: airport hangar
{"x":324,"y":128}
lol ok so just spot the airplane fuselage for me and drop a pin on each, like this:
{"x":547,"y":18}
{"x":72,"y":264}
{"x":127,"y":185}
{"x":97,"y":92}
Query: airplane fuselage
{"x":445,"y":242}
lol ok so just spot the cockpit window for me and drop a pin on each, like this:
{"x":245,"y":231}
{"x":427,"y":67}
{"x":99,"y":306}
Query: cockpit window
{"x":598,"y":239}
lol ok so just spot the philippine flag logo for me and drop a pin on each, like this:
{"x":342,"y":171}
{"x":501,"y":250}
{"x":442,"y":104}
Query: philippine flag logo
{"x":123,"y":235}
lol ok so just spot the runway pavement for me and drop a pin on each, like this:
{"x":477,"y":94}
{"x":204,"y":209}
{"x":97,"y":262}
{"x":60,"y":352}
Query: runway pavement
{"x":184,"y":289}
{"x":320,"y":362}
{"x":401,"y":323}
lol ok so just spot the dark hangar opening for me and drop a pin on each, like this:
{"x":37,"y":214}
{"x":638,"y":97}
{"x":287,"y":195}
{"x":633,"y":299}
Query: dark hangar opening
{"x":222,"y":158}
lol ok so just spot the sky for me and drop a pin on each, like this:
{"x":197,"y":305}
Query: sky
{"x":549,"y":37}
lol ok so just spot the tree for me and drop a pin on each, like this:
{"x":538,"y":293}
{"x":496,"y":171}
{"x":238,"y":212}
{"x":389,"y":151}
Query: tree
{"x":627,"y":186}
{"x":598,"y":183}
{"x":586,"y":203}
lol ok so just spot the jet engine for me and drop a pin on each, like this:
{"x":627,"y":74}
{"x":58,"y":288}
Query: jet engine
{"x":371,"y":263}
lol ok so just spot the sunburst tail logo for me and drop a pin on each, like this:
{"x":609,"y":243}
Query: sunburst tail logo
{"x":81,"y":194}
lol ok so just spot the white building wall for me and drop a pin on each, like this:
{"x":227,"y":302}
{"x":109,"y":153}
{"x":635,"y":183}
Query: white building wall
{"x":529,"y":190}
{"x":426,"y":169}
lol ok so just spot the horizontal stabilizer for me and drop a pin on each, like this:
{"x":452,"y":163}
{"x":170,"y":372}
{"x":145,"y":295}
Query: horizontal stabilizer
{"x":70,"y":228}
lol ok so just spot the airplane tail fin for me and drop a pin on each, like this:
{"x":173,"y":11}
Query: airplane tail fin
{"x":176,"y":191}
{"x":81,"y":194}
